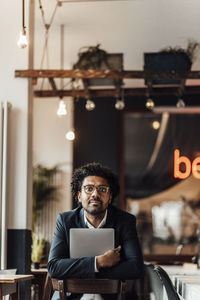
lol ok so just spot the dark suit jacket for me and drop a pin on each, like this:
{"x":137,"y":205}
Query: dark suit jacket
{"x":131,"y":264}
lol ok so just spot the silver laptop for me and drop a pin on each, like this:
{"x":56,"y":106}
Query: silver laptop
{"x":90,"y":242}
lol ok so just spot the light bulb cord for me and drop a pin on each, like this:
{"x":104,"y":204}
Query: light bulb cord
{"x":23,"y":16}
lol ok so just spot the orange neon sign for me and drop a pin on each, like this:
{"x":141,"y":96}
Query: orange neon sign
{"x":187,"y":166}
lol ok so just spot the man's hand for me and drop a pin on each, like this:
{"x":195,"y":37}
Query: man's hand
{"x":109,"y":258}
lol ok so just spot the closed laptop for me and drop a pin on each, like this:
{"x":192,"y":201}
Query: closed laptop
{"x":90,"y":242}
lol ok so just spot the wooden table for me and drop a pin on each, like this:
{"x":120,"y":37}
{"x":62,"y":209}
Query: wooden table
{"x":39,"y":279}
{"x":162,"y":259}
{"x":9,"y":284}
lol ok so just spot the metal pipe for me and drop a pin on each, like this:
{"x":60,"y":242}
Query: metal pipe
{"x":3,"y":188}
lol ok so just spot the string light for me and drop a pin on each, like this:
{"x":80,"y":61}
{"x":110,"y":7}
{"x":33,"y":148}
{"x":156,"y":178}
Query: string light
{"x":23,"y":41}
{"x":62,"y":111}
{"x":180,"y":103}
{"x":70,"y":135}
{"x":150,"y":103}
{"x":119,"y":104}
{"x":76,"y":84}
{"x":90,"y":105}
{"x":156,"y":125}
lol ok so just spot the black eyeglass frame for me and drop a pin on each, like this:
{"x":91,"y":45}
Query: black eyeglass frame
{"x":98,"y":187}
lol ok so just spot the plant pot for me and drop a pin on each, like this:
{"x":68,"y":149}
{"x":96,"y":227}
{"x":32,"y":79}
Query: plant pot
{"x":115,"y":62}
{"x":36,"y":265}
{"x":166,"y":61}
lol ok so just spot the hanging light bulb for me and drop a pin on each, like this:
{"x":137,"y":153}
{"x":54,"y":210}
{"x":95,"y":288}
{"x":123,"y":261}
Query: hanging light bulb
{"x":76,"y":84}
{"x":62,"y":111}
{"x":70,"y":135}
{"x":180,"y":103}
{"x":119,"y":104}
{"x":90,"y":105}
{"x":149,"y":103}
{"x":23,"y":42}
{"x":156,"y":125}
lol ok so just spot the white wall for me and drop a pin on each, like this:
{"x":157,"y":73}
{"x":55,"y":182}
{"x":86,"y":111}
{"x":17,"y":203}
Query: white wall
{"x":50,"y":147}
{"x":16,"y":92}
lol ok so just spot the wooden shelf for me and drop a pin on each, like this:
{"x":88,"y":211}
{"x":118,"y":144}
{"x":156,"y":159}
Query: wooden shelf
{"x":109,"y":93}
{"x":107,"y":74}
{"x":148,"y":76}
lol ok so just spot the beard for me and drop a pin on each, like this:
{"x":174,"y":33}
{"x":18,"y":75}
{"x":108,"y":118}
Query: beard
{"x":95,"y":210}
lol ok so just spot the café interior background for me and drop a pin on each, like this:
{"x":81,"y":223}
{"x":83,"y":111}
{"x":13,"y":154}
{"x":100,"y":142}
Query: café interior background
{"x":37,"y":134}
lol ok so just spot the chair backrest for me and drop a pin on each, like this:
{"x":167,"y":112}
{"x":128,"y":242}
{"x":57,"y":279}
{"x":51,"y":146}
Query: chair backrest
{"x":156,"y":285}
{"x":88,"y":286}
{"x":170,"y":289}
{"x":48,"y":288}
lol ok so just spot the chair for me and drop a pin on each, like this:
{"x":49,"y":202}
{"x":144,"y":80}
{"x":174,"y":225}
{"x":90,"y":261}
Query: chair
{"x":170,"y":289}
{"x":48,"y":288}
{"x":155,"y":284}
{"x":88,"y":286}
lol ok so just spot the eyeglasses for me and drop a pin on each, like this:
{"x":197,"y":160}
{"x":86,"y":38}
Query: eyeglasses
{"x":101,"y":189}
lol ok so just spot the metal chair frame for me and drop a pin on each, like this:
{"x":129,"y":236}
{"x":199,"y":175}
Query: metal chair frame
{"x":169,"y":287}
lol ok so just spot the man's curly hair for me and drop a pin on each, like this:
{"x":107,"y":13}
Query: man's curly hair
{"x":94,"y":169}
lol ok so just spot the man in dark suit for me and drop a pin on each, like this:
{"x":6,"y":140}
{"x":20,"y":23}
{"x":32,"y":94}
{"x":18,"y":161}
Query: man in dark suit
{"x":94,"y":187}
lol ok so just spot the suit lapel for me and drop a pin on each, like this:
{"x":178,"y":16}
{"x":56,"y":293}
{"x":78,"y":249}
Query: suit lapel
{"x":110,"y":218}
{"x":82,"y":218}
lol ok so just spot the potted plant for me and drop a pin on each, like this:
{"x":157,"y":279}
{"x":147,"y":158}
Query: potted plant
{"x":43,"y":191}
{"x":93,"y":57}
{"x":37,"y":253}
{"x":171,"y":59}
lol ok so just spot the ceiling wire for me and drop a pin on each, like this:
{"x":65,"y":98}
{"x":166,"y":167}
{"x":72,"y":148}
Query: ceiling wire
{"x":54,"y":12}
{"x":47,"y":26}
{"x":44,"y":52}
{"x":68,"y":1}
{"x":42,"y":11}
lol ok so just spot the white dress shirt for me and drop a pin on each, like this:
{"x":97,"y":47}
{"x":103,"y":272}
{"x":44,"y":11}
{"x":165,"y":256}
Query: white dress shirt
{"x":87,"y":223}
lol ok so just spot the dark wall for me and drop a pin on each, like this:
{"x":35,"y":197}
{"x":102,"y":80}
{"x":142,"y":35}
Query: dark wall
{"x":97,"y":134}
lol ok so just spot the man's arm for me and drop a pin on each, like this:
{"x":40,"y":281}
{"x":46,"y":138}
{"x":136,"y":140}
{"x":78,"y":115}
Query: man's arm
{"x":109,"y":259}
{"x":59,"y":263}
{"x":131,"y":262}
{"x":128,"y":265}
